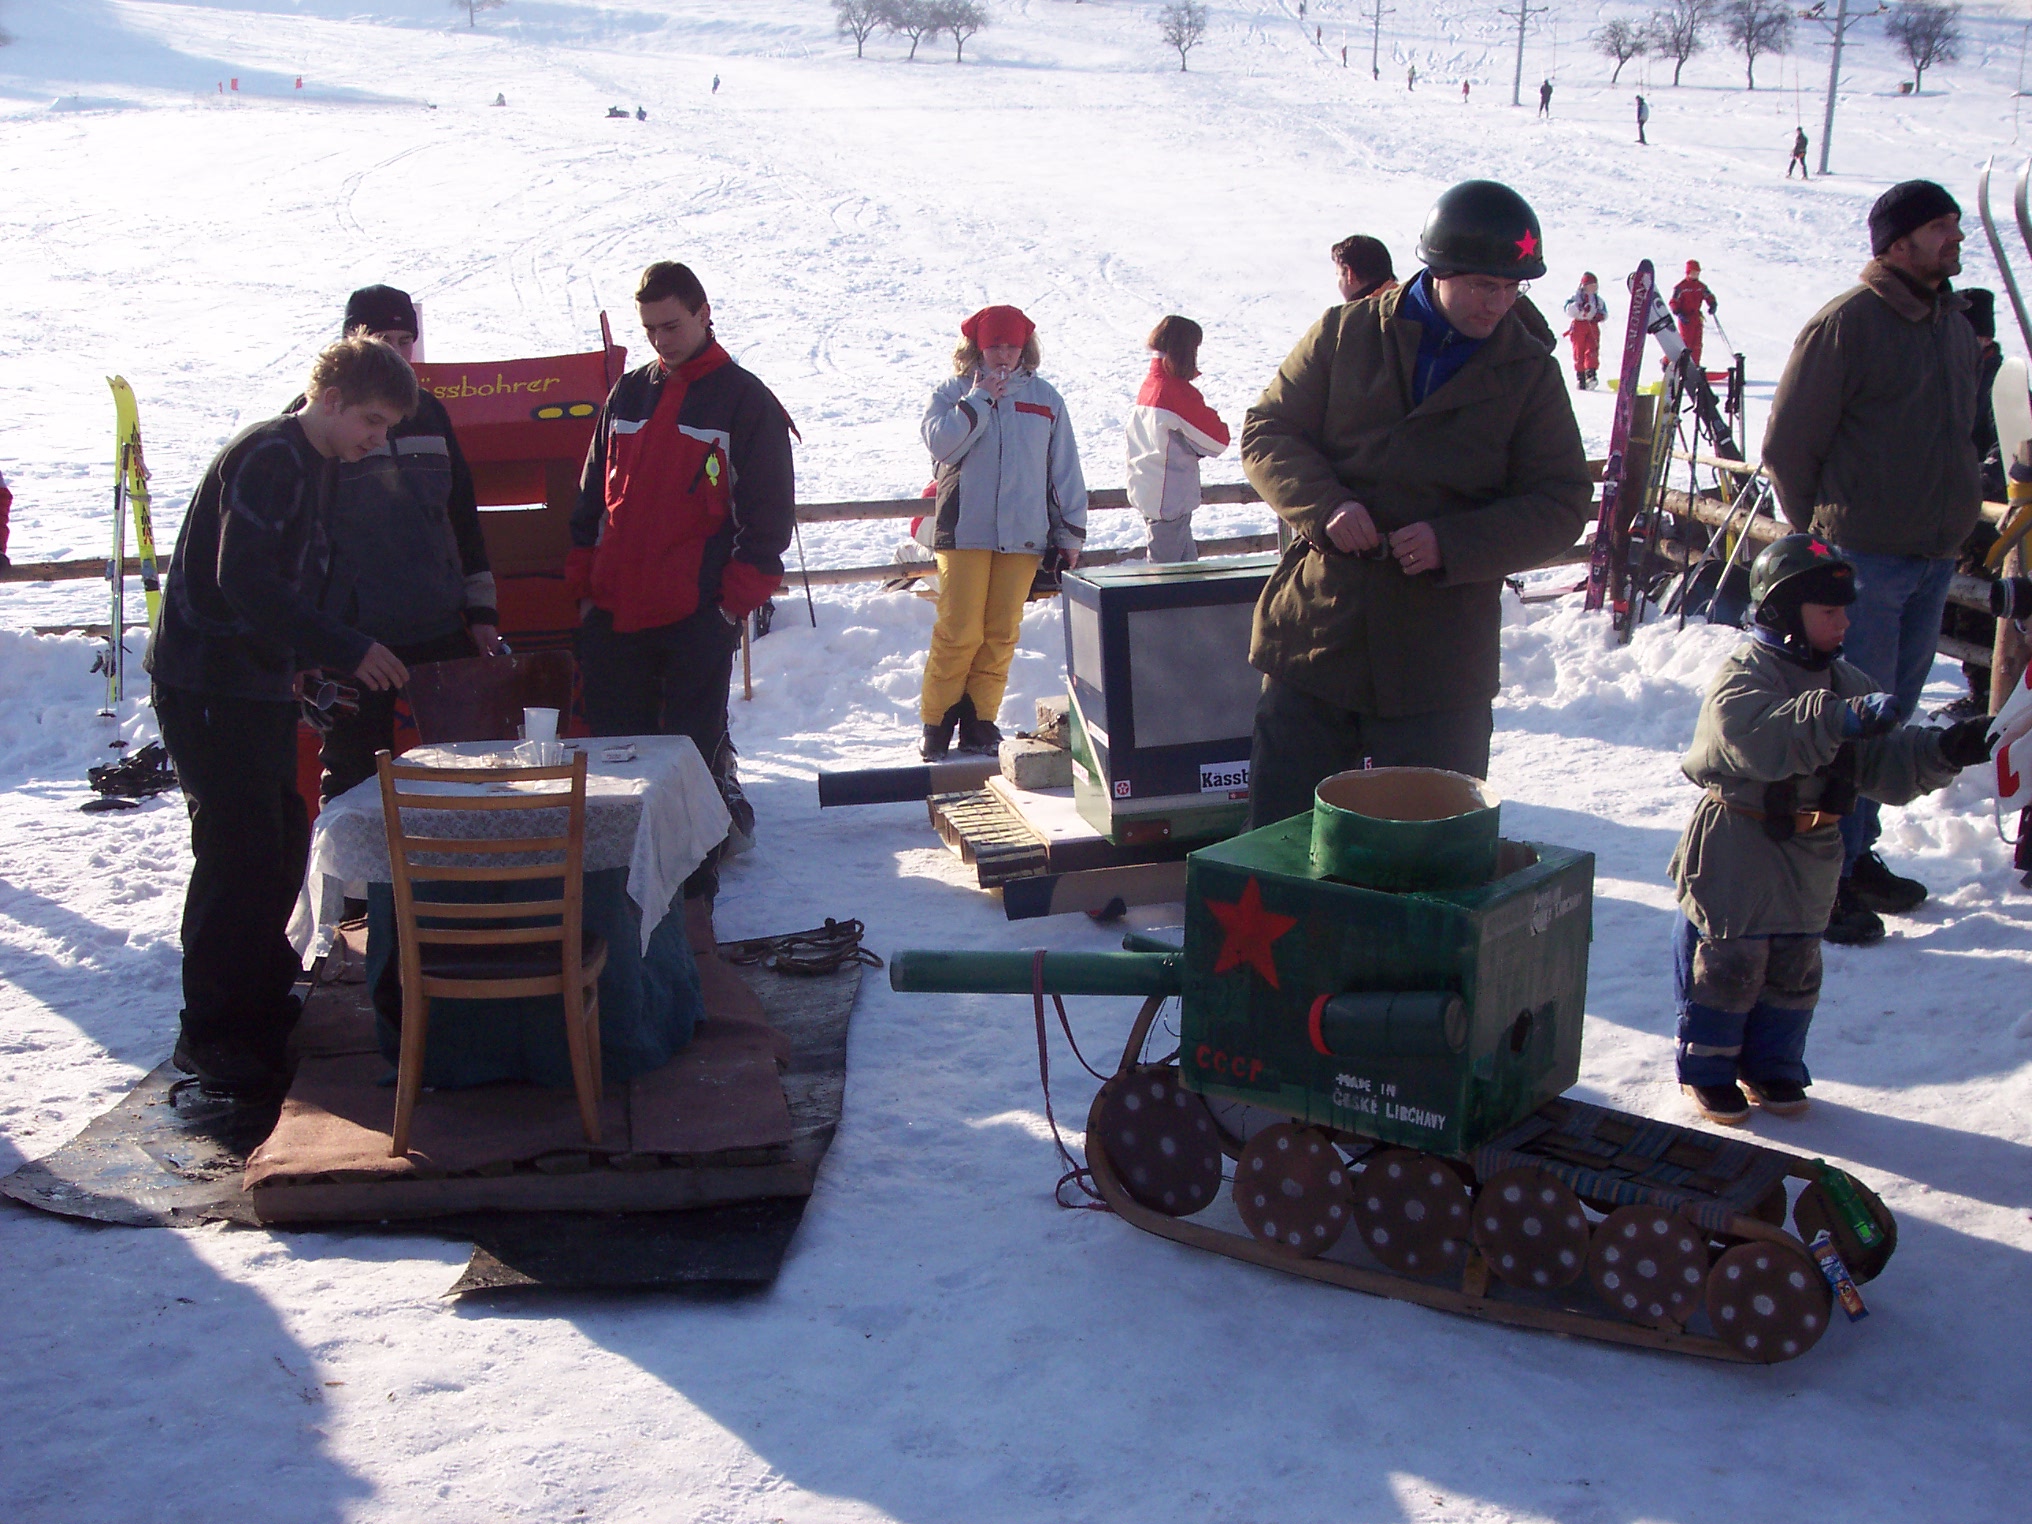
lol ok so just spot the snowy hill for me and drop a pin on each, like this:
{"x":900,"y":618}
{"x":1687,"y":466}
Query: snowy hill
{"x":944,"y":1344}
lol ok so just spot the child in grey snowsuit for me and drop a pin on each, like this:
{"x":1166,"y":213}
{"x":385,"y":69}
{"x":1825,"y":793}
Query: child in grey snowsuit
{"x":1789,"y":737}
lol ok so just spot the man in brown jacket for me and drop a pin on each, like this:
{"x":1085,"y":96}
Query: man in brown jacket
{"x":1868,"y":444}
{"x":1421,"y":446}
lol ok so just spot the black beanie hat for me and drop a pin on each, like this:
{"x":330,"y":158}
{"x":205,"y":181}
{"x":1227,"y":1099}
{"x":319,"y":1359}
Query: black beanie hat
{"x":1982,"y":311}
{"x":381,"y":309}
{"x":1909,"y":204}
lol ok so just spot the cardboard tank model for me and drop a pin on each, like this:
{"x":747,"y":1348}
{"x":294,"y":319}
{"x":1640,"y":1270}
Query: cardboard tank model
{"x":1380,"y":1007}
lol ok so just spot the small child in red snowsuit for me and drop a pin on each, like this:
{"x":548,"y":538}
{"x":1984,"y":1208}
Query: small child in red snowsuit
{"x":1688,"y":298}
{"x":1585,"y":311}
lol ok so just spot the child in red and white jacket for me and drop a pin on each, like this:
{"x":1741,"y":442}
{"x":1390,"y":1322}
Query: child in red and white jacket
{"x":1170,"y":429}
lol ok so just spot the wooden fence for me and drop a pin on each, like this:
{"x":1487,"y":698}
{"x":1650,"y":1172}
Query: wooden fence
{"x":1966,"y":591}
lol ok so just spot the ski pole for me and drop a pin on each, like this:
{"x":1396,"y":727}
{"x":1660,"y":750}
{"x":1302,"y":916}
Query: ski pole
{"x":798,"y":530}
{"x":1716,"y":319}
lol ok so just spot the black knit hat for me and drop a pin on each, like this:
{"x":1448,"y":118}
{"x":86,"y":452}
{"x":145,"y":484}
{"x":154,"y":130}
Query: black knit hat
{"x":1909,"y":204}
{"x":1982,"y":310}
{"x":381,"y":309}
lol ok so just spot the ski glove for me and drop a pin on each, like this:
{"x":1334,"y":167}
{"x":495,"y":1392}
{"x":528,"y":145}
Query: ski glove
{"x":1874,"y":714}
{"x":1966,"y":743}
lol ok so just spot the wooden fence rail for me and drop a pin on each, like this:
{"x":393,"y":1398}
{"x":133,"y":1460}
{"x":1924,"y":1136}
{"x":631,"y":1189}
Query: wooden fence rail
{"x":1969,"y":592}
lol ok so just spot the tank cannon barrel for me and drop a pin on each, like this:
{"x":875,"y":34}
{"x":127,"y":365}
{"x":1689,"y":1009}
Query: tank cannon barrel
{"x":1015,"y":973}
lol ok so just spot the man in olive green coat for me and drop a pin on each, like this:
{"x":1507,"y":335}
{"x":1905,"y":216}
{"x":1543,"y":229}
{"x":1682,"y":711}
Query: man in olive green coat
{"x":1421,"y":445}
{"x":1869,"y":446}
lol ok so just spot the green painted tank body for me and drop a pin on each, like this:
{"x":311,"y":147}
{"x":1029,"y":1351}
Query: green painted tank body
{"x":1273,"y":945}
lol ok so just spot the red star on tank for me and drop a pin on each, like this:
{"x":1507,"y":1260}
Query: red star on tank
{"x":1247,"y":930}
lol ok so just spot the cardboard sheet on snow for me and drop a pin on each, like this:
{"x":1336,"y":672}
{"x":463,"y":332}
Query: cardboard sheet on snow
{"x":167,"y":1154}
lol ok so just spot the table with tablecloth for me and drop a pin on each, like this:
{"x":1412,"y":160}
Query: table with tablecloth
{"x":650,"y":821}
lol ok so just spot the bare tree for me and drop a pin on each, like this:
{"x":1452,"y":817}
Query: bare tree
{"x":1756,"y":27}
{"x":472,"y":8}
{"x":1927,"y":33}
{"x":1622,"y":41}
{"x":858,"y":19}
{"x":961,"y":19}
{"x":915,"y":19}
{"x":1677,"y":30}
{"x":1182,"y":25}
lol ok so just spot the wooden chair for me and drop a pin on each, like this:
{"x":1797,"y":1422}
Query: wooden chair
{"x":543,"y":951}
{"x":481,"y":698}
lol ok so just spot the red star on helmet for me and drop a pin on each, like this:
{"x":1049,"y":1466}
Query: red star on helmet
{"x":1821,"y":550}
{"x":1527,"y":245}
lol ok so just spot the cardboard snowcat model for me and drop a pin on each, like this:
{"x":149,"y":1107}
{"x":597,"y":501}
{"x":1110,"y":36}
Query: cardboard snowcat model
{"x":1381,"y":1005}
{"x":524,"y":426}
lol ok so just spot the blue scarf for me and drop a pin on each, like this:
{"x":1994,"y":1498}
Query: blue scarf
{"x":1442,"y":349}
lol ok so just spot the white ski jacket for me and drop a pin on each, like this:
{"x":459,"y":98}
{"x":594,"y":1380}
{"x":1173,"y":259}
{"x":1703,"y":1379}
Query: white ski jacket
{"x":1009,"y":474}
{"x":1586,"y":307}
{"x":1169,"y":430}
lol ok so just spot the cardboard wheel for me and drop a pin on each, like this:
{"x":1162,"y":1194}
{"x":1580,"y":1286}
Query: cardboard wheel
{"x":1292,"y":1190}
{"x":1768,"y":1300}
{"x":1648,"y":1264}
{"x":1161,"y":1142}
{"x":1236,"y":1122}
{"x":1531,"y":1229}
{"x":1412,"y":1213}
{"x":1814,"y":1211}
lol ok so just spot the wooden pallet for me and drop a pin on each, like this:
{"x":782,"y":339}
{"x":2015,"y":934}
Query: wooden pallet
{"x":988,"y":835}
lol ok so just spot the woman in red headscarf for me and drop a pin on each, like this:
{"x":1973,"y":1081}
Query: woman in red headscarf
{"x":1009,"y":493}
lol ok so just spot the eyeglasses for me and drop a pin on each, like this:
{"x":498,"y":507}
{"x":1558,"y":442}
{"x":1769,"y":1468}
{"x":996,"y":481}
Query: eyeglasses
{"x":1484,"y":288}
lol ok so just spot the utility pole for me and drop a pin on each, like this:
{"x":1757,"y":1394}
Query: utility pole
{"x":1838,"y":28}
{"x":1524,"y":12}
{"x":1374,"y":16}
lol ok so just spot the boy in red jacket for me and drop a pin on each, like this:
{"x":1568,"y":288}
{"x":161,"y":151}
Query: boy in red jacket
{"x":684,"y":511}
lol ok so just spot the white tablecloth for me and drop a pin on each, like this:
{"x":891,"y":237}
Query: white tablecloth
{"x":658,"y":816}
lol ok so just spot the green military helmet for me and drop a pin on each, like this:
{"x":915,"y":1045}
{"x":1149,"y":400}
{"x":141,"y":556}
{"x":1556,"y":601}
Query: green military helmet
{"x":1796,"y":569}
{"x":1482,"y":227}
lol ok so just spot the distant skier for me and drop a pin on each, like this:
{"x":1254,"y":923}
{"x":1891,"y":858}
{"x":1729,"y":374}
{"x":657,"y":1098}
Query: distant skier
{"x":1545,"y":97}
{"x":1586,"y":311}
{"x":641,"y":115}
{"x":500,"y":99}
{"x":1688,"y":298}
{"x":1464,"y":92}
{"x":716,"y":84}
{"x":1344,"y":55}
{"x":1411,"y":77}
{"x":1798,"y":154}
{"x":1643,"y":116}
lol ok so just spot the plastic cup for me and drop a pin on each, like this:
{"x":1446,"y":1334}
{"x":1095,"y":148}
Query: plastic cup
{"x":539,"y":724}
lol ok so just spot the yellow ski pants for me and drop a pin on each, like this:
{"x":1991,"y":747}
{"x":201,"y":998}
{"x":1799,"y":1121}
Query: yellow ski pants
{"x":981,"y":594}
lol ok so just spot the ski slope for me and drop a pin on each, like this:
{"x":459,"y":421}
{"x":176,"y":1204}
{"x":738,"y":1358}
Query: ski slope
{"x":944,"y":1344}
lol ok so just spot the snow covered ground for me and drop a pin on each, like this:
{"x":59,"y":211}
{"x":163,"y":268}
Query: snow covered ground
{"x":944,"y":1344}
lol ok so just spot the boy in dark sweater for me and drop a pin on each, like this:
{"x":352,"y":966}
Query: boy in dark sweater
{"x":239,"y":622}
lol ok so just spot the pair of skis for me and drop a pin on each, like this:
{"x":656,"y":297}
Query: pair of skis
{"x":130,"y":496}
{"x":2024,"y":212}
{"x":1613,"y":578}
{"x":1608,"y":578}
